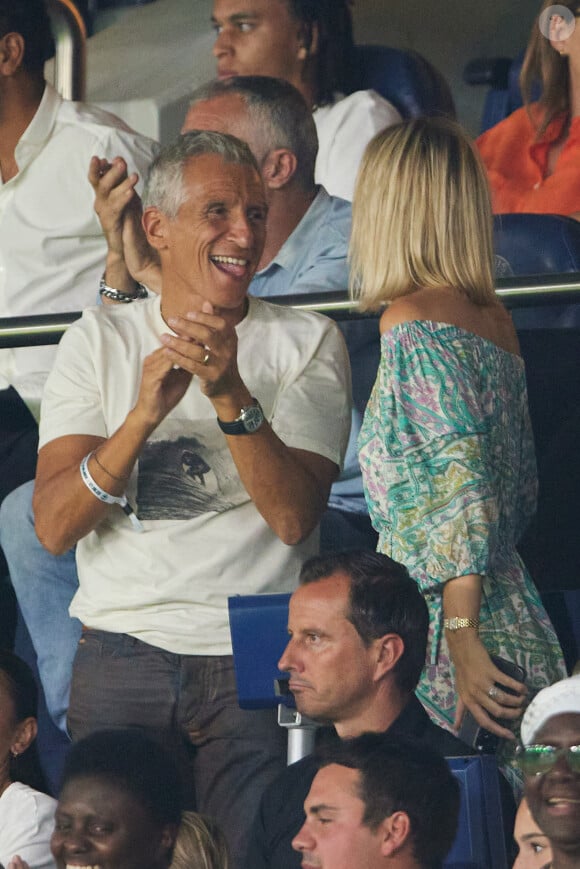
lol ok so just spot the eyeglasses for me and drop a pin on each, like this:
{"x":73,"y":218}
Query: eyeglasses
{"x":540,"y":759}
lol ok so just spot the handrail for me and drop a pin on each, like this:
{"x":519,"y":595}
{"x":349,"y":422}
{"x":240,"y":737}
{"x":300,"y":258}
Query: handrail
{"x":515,"y":292}
{"x":70,"y":61}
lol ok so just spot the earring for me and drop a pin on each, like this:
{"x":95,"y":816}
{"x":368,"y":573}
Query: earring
{"x":14,"y":753}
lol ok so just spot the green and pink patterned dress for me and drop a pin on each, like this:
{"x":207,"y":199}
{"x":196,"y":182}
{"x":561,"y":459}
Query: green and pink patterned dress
{"x":448,"y":463}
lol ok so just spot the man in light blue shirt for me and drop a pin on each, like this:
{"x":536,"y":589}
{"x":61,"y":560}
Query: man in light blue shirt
{"x":313,"y":257}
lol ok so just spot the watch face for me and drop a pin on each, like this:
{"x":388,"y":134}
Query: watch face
{"x":253,"y":418}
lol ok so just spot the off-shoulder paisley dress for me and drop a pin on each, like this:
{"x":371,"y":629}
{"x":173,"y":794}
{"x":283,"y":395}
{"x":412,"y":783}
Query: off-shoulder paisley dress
{"x":448,"y":464}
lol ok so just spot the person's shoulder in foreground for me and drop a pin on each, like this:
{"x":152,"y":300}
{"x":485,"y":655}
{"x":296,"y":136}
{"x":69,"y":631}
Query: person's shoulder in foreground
{"x":27,"y":821}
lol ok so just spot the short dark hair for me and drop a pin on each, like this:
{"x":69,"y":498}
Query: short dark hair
{"x":334,"y":57}
{"x":136,"y":763}
{"x":18,"y":680}
{"x":399,"y":776}
{"x":29,"y":18}
{"x":279,"y":111}
{"x":383,"y":599}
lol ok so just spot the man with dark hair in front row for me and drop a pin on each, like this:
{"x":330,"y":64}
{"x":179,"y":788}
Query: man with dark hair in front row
{"x":379,"y":802}
{"x":358,"y":636}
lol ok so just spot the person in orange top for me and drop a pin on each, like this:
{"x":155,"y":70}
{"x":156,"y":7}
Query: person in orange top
{"x":533,"y":156}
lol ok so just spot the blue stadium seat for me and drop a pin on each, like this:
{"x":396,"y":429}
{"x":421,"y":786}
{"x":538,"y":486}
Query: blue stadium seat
{"x":535,"y":244}
{"x":502,"y":75}
{"x":540,"y":244}
{"x":405,"y":79}
{"x":258,"y":625}
{"x":480,"y":840}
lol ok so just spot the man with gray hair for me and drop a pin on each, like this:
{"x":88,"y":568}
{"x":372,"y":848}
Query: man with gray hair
{"x":307,"y":230}
{"x":305,"y":252}
{"x":307,"y":234}
{"x":203,"y":414}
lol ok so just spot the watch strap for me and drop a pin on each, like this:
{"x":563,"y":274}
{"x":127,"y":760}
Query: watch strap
{"x":250,"y":419}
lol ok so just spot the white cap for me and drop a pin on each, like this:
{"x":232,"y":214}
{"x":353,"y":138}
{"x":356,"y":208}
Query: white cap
{"x":559,"y":698}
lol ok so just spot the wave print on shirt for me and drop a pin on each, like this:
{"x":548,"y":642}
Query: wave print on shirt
{"x":181,"y":476}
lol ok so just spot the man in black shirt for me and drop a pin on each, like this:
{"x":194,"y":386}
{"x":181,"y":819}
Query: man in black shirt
{"x":358,"y":636}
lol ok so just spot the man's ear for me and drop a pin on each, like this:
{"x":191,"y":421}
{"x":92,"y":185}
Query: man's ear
{"x":156,"y":225}
{"x":389,"y":647}
{"x":395,"y":833}
{"x":11,"y":53}
{"x":309,"y":45}
{"x":278,"y":168}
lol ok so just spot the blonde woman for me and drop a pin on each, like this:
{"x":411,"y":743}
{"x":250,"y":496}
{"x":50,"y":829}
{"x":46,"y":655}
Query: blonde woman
{"x":446,"y":447}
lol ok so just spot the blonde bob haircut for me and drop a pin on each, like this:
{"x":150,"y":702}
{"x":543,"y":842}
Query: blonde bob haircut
{"x":421,"y":216}
{"x":200,"y":844}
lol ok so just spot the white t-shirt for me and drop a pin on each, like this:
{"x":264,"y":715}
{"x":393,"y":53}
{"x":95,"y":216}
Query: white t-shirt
{"x":204,"y":538}
{"x":344,"y":130}
{"x":26,"y":825}
{"x":52,"y":250}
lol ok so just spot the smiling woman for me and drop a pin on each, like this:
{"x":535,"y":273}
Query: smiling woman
{"x":120,"y":804}
{"x":550,"y":760}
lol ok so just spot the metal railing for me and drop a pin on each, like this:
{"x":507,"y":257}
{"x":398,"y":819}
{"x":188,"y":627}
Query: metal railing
{"x":514,"y":292}
{"x":70,"y":60}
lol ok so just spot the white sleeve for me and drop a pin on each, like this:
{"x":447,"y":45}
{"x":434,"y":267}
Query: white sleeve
{"x":138,"y":151}
{"x":344,"y":131}
{"x":26,"y":825}
{"x":71,"y":402}
{"x":314,"y":412}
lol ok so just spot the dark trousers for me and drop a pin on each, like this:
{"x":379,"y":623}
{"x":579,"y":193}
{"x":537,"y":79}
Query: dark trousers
{"x":189,"y":702}
{"x":18,"y":448}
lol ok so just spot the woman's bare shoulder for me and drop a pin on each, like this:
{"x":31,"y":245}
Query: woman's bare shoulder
{"x":399,"y":311}
{"x":423,"y":304}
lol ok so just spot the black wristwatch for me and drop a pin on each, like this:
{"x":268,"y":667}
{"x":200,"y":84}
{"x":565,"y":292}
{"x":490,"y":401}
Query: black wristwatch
{"x":249,"y":420}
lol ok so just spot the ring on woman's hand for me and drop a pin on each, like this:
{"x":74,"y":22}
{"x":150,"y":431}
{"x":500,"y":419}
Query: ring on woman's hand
{"x":493,"y":692}
{"x":205,"y":359}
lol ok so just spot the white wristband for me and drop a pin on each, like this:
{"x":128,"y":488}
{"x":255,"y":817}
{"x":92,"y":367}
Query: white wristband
{"x":103,"y":496}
